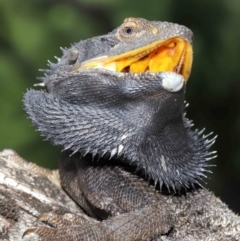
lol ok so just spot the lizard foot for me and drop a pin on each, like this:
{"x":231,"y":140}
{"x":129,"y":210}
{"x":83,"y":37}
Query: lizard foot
{"x":67,"y":227}
{"x":143,"y":224}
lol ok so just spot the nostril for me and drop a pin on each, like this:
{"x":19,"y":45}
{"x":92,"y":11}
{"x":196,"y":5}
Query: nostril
{"x":71,"y":56}
{"x":72,"y":61}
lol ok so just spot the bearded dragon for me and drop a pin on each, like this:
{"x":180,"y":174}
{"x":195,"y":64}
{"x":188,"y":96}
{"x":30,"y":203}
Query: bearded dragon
{"x":115,"y":103}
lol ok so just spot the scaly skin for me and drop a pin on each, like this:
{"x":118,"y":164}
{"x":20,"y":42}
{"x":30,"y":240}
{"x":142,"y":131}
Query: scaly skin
{"x":133,"y":122}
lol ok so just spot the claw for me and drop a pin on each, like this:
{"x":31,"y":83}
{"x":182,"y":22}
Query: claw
{"x":29,"y":231}
{"x":43,"y":218}
{"x":50,"y":219}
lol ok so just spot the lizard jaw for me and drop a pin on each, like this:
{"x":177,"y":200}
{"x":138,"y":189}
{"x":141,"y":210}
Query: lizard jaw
{"x":174,"y":54}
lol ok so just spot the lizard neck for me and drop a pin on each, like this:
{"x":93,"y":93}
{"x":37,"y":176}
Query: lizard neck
{"x":173,"y":155}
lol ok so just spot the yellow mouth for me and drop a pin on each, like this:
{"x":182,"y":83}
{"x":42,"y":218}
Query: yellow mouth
{"x":174,"y":55}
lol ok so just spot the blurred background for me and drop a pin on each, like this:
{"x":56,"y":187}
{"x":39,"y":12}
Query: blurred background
{"x":32,"y":31}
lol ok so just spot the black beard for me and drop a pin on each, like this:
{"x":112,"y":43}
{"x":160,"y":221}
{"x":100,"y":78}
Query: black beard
{"x":128,"y":117}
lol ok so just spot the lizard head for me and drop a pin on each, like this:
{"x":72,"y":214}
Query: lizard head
{"x":121,"y":96}
{"x":146,"y":46}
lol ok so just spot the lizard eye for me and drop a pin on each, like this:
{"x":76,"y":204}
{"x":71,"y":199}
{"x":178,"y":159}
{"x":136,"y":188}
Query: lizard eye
{"x":128,"y":30}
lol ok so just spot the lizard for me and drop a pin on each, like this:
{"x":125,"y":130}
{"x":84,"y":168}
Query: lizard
{"x":115,"y":103}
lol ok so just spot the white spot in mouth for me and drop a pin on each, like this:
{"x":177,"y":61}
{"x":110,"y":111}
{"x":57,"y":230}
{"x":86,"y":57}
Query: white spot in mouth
{"x":172,"y":82}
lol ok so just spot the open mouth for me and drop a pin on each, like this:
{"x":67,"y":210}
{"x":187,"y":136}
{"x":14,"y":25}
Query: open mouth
{"x":174,"y":54}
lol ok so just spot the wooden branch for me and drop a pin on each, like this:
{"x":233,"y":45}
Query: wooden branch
{"x":26,"y":191}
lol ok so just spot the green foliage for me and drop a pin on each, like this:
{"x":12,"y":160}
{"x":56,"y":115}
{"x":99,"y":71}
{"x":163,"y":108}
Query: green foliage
{"x":31,"y":32}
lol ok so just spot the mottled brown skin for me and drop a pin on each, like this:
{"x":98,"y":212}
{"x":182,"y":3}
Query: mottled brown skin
{"x":126,"y":139}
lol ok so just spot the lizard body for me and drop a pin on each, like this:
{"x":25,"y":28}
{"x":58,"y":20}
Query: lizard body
{"x":119,"y":98}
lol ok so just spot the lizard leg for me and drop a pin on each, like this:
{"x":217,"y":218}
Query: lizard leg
{"x":143,"y":224}
{"x":103,"y":189}
{"x":130,"y":209}
{"x":67,"y":227}
{"x":110,"y":190}
{"x":80,"y":180}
